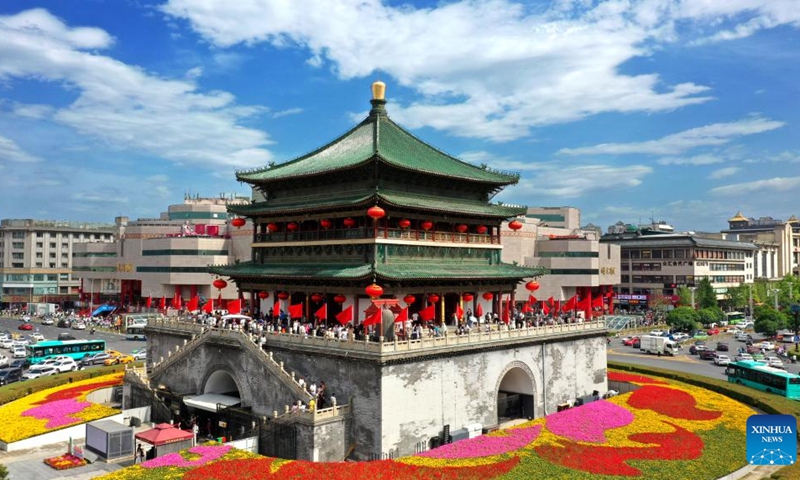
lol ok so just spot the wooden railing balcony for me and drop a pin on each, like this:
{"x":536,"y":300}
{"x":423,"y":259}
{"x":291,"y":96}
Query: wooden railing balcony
{"x":359,"y":233}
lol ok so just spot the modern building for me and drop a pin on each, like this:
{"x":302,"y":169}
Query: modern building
{"x":36,"y":259}
{"x":778,"y":243}
{"x":658,"y":263}
{"x":375,"y":221}
{"x":165,"y":257}
{"x":575,"y":260}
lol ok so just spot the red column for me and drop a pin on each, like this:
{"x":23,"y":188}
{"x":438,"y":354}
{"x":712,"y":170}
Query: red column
{"x":610,"y":299}
{"x":588,"y":311}
{"x":193,"y":290}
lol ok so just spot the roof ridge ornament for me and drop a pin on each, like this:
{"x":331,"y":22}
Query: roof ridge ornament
{"x":378,"y":99}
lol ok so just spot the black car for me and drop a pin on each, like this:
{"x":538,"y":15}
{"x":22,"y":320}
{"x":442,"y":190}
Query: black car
{"x":19,"y":363}
{"x":63,"y":323}
{"x":65,"y":336}
{"x":722,"y":347}
{"x":707,"y":354}
{"x":695,"y":349}
{"x":637,"y":343}
{"x":10,"y":375}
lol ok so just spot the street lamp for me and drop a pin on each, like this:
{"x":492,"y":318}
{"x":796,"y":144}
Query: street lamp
{"x":693,"y":289}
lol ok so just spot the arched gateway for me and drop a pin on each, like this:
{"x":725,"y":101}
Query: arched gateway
{"x":515,"y":392}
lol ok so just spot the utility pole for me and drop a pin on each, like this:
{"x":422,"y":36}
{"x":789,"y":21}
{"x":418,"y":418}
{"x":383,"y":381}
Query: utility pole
{"x":692,"y":290}
{"x":750,"y":301}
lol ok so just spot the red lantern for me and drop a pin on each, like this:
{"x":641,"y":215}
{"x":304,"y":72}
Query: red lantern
{"x":263,"y":295}
{"x":340,"y":299}
{"x":488,"y":296}
{"x":433,"y":298}
{"x":238,"y":222}
{"x":273,"y":227}
{"x":481,"y":229}
{"x":376,"y":212}
{"x":283,"y":295}
{"x":349,"y":222}
{"x":468,"y":297}
{"x":292,"y":227}
{"x":374,"y":290}
{"x":461,"y":228}
{"x":532,"y":286}
{"x":316,"y":297}
{"x":220,"y":283}
{"x":515,"y":225}
{"x":404,"y":223}
{"x":325,"y":223}
{"x":426,"y":225}
{"x":409,"y":299}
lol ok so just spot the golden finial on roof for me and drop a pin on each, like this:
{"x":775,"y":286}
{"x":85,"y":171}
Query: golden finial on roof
{"x":792,"y":219}
{"x":378,"y":90}
{"x":738,"y":217}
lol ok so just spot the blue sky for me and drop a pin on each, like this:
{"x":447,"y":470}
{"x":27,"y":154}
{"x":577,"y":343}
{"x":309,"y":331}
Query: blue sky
{"x":685,"y":111}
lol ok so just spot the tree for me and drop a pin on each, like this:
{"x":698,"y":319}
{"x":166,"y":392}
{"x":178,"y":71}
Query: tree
{"x":738,"y":297}
{"x":705,"y":296}
{"x":708,"y":316}
{"x":659,"y":303}
{"x":684,"y":296}
{"x":682,"y":319}
{"x":768,"y":320}
{"x":3,"y":472}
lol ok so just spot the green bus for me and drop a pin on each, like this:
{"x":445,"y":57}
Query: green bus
{"x":757,"y":375}
{"x":70,"y":348}
{"x":734,"y":318}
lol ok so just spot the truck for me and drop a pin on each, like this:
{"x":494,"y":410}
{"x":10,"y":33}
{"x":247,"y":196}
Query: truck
{"x":658,"y":345}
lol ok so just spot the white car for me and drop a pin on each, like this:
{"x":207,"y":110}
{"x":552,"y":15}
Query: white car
{"x":18,"y":352}
{"x":140,"y":354}
{"x":767,"y":345}
{"x":37,"y":337}
{"x":54,"y":360}
{"x":776,"y":363}
{"x":3,"y":361}
{"x":67,"y":365}
{"x":744,"y":357}
{"x":79,"y":326}
{"x":6,"y":343}
{"x":722,"y":359}
{"x":19,"y":343}
{"x":37,"y":371}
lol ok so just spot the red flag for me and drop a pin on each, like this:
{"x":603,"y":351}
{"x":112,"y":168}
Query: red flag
{"x":235,"y":306}
{"x":506,"y":316}
{"x":322,"y":312}
{"x":177,"y":302}
{"x":163,"y":304}
{"x":526,"y":308}
{"x":570,"y":304}
{"x":296,"y":311}
{"x":550,"y":302}
{"x":479,"y":311}
{"x":428,"y":313}
{"x":193,"y":304}
{"x":459,"y":312}
{"x":209,"y":306}
{"x":346,"y":315}
{"x":375,"y":318}
{"x":402,"y":316}
{"x":276,"y":309}
{"x":532,"y":300}
{"x":149,"y":302}
{"x":597,"y":302}
{"x":545,"y":308}
{"x":584,"y":304}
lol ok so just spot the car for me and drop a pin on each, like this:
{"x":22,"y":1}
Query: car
{"x":95,"y":359}
{"x":54,"y":360}
{"x":722,"y":347}
{"x":707,"y":354}
{"x":25,"y":318}
{"x":767,"y":345}
{"x":63,"y":323}
{"x":628,"y":341}
{"x":114,"y":353}
{"x":776,"y":363}
{"x":19,"y":363}
{"x":79,"y":326}
{"x":743,"y":357}
{"x":48,"y":321}
{"x":722,"y":360}
{"x":713,"y":331}
{"x":677,"y":337}
{"x":657,"y":333}
{"x":37,"y":371}
{"x":696,"y":349}
{"x":743,"y":337}
{"x":3,"y":361}
{"x":66,"y":336}
{"x":6,"y":343}
{"x":637,"y":343}
{"x":118,"y":359}
{"x":700,"y":336}
{"x":18,"y":352}
{"x":139,"y":354}
{"x":25,"y":326}
{"x":10,"y":375}
{"x":36,"y":336}
{"x":67,"y":365}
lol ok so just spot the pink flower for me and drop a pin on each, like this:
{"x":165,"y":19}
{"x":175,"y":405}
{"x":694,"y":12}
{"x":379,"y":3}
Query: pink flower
{"x":484,"y":446}
{"x":57,"y":412}
{"x":207,"y":454}
{"x":588,"y":422}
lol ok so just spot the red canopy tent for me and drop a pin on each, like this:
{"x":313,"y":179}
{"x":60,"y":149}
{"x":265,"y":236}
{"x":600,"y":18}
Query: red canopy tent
{"x":166,"y":438}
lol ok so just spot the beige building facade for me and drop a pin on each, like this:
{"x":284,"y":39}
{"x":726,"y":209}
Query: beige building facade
{"x":778,"y":243}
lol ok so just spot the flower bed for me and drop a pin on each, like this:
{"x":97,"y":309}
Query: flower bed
{"x":65,"y":461}
{"x":55,"y":408}
{"x":663,"y":430}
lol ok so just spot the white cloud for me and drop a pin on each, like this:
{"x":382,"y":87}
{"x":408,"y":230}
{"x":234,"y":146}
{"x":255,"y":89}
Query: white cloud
{"x":572,"y":182}
{"x":288,"y":111}
{"x":35,"y":111}
{"x":706,"y":159}
{"x":11,"y":152}
{"x":708,"y":135}
{"x":724,"y":172}
{"x":123,"y":105}
{"x":771,"y":186}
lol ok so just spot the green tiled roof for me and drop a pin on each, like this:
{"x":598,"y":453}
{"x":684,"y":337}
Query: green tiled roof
{"x":385,"y":198}
{"x":400,"y":271}
{"x":377,"y":138}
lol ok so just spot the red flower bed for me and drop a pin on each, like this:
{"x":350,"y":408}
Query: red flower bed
{"x":256,"y":469}
{"x":631,"y":378}
{"x":74,"y":392}
{"x":680,"y":445}
{"x":65,"y":461}
{"x":670,"y":402}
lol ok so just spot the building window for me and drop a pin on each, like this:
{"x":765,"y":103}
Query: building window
{"x":625,"y":279}
{"x":646,"y":254}
{"x":18,"y":245}
{"x":625,"y":254}
{"x":16,"y":265}
{"x":18,"y":235}
{"x":38,"y":264}
{"x":18,"y":256}
{"x":52,"y":244}
{"x":52,"y":265}
{"x":666,"y":253}
{"x":39,"y":234}
{"x":39,"y":245}
{"x":635,"y":254}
